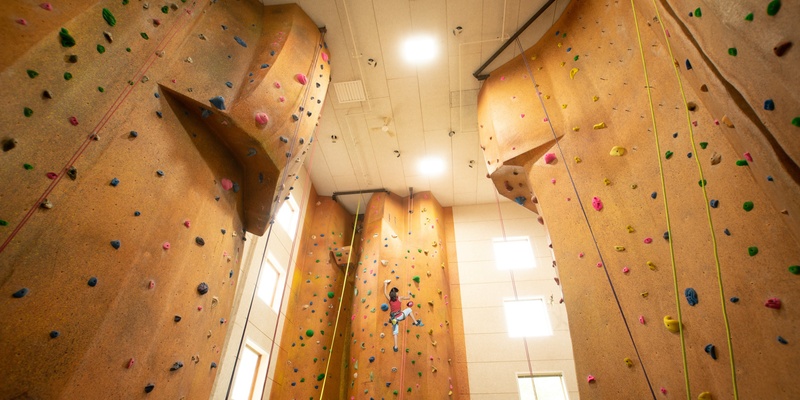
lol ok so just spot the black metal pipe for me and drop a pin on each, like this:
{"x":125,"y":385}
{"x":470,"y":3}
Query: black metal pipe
{"x":477,"y":74}
{"x":336,"y":194}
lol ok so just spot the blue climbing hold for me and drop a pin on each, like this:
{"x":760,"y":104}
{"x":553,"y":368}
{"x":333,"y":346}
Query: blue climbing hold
{"x":218,"y":102}
{"x":24,"y":291}
{"x":734,"y":299}
{"x":520,"y":200}
{"x":136,"y":213}
{"x":688,"y":65}
{"x":653,"y":195}
{"x":156,"y":95}
{"x":92,"y":282}
{"x":727,"y":232}
{"x":691,"y":296}
{"x":205,"y":113}
{"x":240,"y":41}
{"x":159,"y":114}
{"x":229,"y":84}
{"x":116,"y":244}
{"x":769,"y":105}
{"x":769,"y":178}
{"x":160,"y":173}
{"x":263,"y":66}
{"x":711,"y":351}
{"x":235,"y":187}
{"x":114,"y":182}
{"x":384,"y":307}
{"x":372,"y":359}
{"x":54,"y":334}
{"x":714,"y":203}
{"x":782,"y":340}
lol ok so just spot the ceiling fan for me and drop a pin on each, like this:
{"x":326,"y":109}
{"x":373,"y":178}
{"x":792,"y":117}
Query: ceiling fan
{"x":385,"y":127}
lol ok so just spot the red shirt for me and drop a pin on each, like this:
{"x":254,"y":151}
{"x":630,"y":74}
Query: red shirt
{"x":394,"y":306}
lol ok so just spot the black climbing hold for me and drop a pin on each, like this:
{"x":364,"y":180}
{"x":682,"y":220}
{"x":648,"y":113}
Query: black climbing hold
{"x":308,"y":113}
{"x":283,"y":139}
{"x":159,"y":114}
{"x":230,"y":274}
{"x":318,"y":85}
{"x":782,"y":340}
{"x":47,"y":95}
{"x":134,"y":134}
{"x":116,"y":244}
{"x":72,"y":173}
{"x":223,"y":231}
{"x":32,"y":74}
{"x":202,"y":288}
{"x":178,"y":365}
{"x":727,"y":232}
{"x":714,"y":203}
{"x":72,"y":58}
{"x":92,"y":282}
{"x":302,"y":140}
{"x":213,"y":365}
{"x":666,"y":235}
{"x":769,"y":105}
{"x":136,"y":213}
{"x":199,"y":241}
{"x":288,"y":154}
{"x":218,"y":102}
{"x":216,"y":198}
{"x":160,"y":173}
{"x":711,"y":351}
{"x":205,"y":113}
{"x":674,"y":135}
{"x":653,"y":195}
{"x":54,"y":334}
{"x":769,"y":178}
{"x":235,"y":187}
{"x":689,"y":155}
{"x":240,"y":41}
{"x":177,"y":318}
{"x":734,"y":299}
{"x":371,"y":359}
{"x":149,"y":388}
{"x":9,"y":144}
{"x":295,"y":117}
{"x":20,"y":293}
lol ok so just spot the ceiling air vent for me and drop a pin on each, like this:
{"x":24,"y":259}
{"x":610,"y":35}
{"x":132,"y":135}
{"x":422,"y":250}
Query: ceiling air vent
{"x":349,"y":92}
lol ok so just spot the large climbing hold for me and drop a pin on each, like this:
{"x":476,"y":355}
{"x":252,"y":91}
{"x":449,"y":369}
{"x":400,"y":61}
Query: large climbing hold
{"x":691,"y":296}
{"x":704,"y":396}
{"x":773,"y":7}
{"x":109,"y":17}
{"x":672,"y":325}
{"x":617,"y":151}
{"x":549,"y":158}
{"x":597,"y":203}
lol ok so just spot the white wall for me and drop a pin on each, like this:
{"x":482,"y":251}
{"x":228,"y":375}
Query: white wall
{"x":493,"y":359}
{"x":263,"y":319}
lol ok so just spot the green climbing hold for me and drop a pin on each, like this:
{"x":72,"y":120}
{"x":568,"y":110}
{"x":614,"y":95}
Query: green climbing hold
{"x":100,"y":89}
{"x":101,"y":49}
{"x":338,"y":254}
{"x":315,"y":359}
{"x":128,"y":49}
{"x":732,"y":51}
{"x":27,"y":111}
{"x":109,"y":17}
{"x":320,"y":377}
{"x":795,"y":269}
{"x":668,"y":154}
{"x":3,"y":222}
{"x":753,"y":250}
{"x":698,"y":13}
{"x":415,"y":278}
{"x":576,"y":58}
{"x":165,"y":10}
{"x":702,"y":182}
{"x":124,"y":2}
{"x":703,"y":145}
{"x":330,"y":295}
{"x":741,"y":163}
{"x":144,"y":36}
{"x":27,"y":166}
{"x":66,"y":39}
{"x":310,"y":333}
{"x":796,"y":121}
{"x":67,"y":76}
{"x":32,"y":74}
{"x":773,"y":7}
{"x":748,"y":17}
{"x":748,"y":205}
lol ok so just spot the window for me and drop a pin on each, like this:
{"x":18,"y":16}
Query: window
{"x":542,"y":387}
{"x":270,"y":285}
{"x":513,"y":253}
{"x":288,"y":215}
{"x":525,"y":318}
{"x":248,"y":373}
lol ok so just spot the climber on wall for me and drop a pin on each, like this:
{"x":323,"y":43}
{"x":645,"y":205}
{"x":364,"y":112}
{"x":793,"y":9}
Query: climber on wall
{"x":395,"y":314}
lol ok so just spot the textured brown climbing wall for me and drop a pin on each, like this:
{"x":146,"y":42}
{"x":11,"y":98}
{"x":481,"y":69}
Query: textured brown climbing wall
{"x":313,"y":305}
{"x":589,"y":74}
{"x":146,"y":185}
{"x":412,"y":247}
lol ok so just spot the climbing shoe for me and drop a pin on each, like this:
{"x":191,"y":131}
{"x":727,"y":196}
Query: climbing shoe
{"x":419,"y":323}
{"x":395,"y":349}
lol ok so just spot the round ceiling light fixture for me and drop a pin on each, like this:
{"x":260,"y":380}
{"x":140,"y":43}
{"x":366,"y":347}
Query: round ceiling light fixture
{"x":419,"y":49}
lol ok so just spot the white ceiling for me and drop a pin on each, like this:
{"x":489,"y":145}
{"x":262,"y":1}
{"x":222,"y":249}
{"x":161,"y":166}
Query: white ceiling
{"x":420,"y":104}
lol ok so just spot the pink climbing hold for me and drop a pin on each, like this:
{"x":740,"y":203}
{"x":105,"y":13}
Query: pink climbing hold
{"x":664,"y":390}
{"x":748,"y":157}
{"x":187,"y":223}
{"x":580,"y":255}
{"x":641,"y":319}
{"x":52,"y":175}
{"x":277,"y":85}
{"x":227,"y":184}
{"x":151,"y":285}
{"x":648,"y":240}
{"x":597,"y":203}
{"x":545,"y":119}
{"x":522,"y":115}
{"x":301,"y":78}
{"x":199,"y":308}
{"x":716,"y":122}
{"x":262,"y":118}
{"x":590,"y":379}
{"x":21,"y":21}
{"x":502,"y":78}
{"x":625,"y":270}
{"x":165,"y":246}
{"x":281,"y":99}
{"x":130,"y":362}
{"x":46,"y":6}
{"x":599,"y":265}
{"x":773,"y":303}
{"x":553,"y":181}
{"x":549,"y":157}
{"x":325,"y":57}
{"x":73,"y":121}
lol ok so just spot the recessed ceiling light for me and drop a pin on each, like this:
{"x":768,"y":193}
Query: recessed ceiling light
{"x":419,"y":49}
{"x":431,"y":166}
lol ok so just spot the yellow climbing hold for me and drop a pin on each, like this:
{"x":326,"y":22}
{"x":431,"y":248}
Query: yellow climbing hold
{"x":618,"y":151}
{"x":628,"y":362}
{"x":672,"y":325}
{"x":595,"y":98}
{"x":563,"y":63}
{"x":601,"y":125}
{"x":619,"y":248}
{"x":547,"y":97}
{"x":630,"y":229}
{"x":651,"y":265}
{"x":572,"y":73}
{"x":533,"y":57}
{"x":607,"y":182}
{"x":576,"y":128}
{"x":559,"y":45}
{"x":563,"y":106}
{"x":645,"y":294}
{"x":577,"y":159}
{"x":704,"y":396}
{"x":430,"y":332}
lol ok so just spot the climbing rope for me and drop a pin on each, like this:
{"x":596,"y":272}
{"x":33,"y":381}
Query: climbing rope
{"x":341,"y":298}
{"x":666,"y":207}
{"x":586,"y":218}
{"x":708,"y":209}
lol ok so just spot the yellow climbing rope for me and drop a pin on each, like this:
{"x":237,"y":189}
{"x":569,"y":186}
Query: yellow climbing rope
{"x":666,"y":207}
{"x":707,"y":205}
{"x":341,"y":297}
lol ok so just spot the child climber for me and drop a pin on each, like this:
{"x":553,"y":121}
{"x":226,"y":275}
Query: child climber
{"x":395,"y":314}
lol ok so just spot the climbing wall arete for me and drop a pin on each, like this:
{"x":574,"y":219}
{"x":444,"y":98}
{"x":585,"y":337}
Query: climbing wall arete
{"x":677,"y":284}
{"x":141,"y":140}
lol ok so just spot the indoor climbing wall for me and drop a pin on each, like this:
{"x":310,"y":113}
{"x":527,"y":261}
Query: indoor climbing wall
{"x":310,"y":329}
{"x":669,"y":192}
{"x":403,"y":240}
{"x":141,"y":140}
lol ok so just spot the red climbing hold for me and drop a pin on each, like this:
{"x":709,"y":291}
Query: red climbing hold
{"x":301,"y":78}
{"x":262,"y":118}
{"x":187,"y":223}
{"x":21,"y":21}
{"x":227,"y":184}
{"x":648,"y":240}
{"x":773,"y":303}
{"x":597,"y":203}
{"x":73,"y":121}
{"x":52,"y":175}
{"x":46,"y":6}
{"x":165,"y":246}
{"x":748,"y":157}
{"x":549,"y":158}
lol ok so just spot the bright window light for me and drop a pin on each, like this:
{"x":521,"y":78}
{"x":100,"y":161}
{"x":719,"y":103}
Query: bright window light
{"x":513,"y":253}
{"x":431,"y":166}
{"x":288,"y":215}
{"x":541,"y":387}
{"x":244,"y":384}
{"x":419,"y":49}
{"x":270,"y":285}
{"x":526,"y":318}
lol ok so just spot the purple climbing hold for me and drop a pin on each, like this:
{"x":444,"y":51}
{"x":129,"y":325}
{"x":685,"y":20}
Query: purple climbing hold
{"x":116,"y":244}
{"x":218,"y":102}
{"x":240,"y":41}
{"x":20,"y":293}
{"x":202,"y":288}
